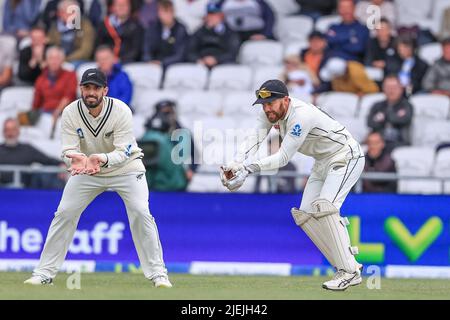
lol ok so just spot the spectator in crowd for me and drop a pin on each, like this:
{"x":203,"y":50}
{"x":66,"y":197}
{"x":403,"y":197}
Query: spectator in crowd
{"x":32,"y":57}
{"x":381,"y":47}
{"x":437,"y":79}
{"x":251,"y":19}
{"x":122,"y":32}
{"x":214,"y":43}
{"x":7,"y":56}
{"x":298,"y":77}
{"x":317,"y":8}
{"x":378,"y":159}
{"x":15,"y":153}
{"x":393,"y":116}
{"x":162,"y":174}
{"x":119,"y":84}
{"x":348,"y":39}
{"x":76,"y":41}
{"x":313,"y":56}
{"x":347,"y":76}
{"x":19,"y":16}
{"x":56,"y":87}
{"x":148,"y":13}
{"x":367,"y":12}
{"x":167,"y":109}
{"x":191,"y":13}
{"x":407,"y":65}
{"x":282,"y":184}
{"x":94,"y":13}
{"x":165,"y":40}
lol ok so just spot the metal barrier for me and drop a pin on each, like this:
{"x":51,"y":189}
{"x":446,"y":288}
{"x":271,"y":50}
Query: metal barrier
{"x":18,"y":170}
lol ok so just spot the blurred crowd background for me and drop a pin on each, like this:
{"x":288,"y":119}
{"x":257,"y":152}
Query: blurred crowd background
{"x":380,"y":67}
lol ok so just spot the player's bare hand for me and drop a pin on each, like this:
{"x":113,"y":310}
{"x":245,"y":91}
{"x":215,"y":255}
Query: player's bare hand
{"x":78,"y":165}
{"x":93,"y":164}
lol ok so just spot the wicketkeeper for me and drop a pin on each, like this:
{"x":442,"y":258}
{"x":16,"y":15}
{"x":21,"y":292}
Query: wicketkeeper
{"x":339,"y":161}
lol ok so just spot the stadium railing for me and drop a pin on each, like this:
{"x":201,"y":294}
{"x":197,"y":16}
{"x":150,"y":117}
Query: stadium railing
{"x":18,"y":170}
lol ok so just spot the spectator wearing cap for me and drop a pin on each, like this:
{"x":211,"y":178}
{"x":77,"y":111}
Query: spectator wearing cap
{"x":32,"y":57}
{"x":437,"y":79}
{"x":313,"y":56}
{"x":166,"y":39}
{"x":76,"y":41}
{"x":348,"y":39}
{"x":347,"y":76}
{"x":251,"y":19}
{"x":380,"y":47}
{"x":378,"y":159}
{"x":407,"y":65}
{"x":122,"y":32}
{"x":214,"y":43}
{"x":365,"y":11}
{"x":7,"y":56}
{"x":393,"y":116}
{"x":56,"y":87}
{"x":119,"y":84}
{"x":317,"y":8}
{"x":19,"y":16}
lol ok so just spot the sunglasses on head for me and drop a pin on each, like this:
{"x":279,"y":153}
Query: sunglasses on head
{"x":264,"y":94}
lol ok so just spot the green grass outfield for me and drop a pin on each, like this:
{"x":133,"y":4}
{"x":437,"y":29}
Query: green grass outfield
{"x":192,"y":287}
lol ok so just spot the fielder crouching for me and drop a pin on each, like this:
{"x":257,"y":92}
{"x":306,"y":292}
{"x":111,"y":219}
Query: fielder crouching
{"x":101,"y":152}
{"x":339,"y":161}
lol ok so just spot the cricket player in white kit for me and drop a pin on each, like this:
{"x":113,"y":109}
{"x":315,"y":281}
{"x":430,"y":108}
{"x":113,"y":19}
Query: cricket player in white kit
{"x":101,"y":153}
{"x":339,"y":161}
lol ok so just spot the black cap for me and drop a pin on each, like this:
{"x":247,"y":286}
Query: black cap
{"x":213,"y":7}
{"x":276,"y":89}
{"x":93,"y":76}
{"x":316,"y":34}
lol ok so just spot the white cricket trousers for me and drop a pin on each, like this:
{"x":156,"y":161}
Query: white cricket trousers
{"x":333,"y":178}
{"x":78,"y":193}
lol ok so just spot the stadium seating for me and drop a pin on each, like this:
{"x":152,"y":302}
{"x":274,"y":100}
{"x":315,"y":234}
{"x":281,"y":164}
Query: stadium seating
{"x":283,"y":7}
{"x":239,"y":104}
{"x":258,"y":54}
{"x":230,"y":77}
{"x":176,"y":78}
{"x":430,"y":132}
{"x":416,"y":162}
{"x":367,"y":102}
{"x":294,"y":28}
{"x":324,"y":23}
{"x":430,"y":52}
{"x":16,"y":99}
{"x":442,"y":168}
{"x":338,"y":104}
{"x":268,"y":72}
{"x":294,"y":48}
{"x":375,"y":74}
{"x":200,"y":104}
{"x":144,"y":76}
{"x":144,"y":104}
{"x":430,"y":106}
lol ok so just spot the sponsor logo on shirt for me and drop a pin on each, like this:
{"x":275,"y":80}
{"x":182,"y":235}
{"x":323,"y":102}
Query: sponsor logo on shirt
{"x":80,"y":133}
{"x":128,"y":150}
{"x":296,"y":130}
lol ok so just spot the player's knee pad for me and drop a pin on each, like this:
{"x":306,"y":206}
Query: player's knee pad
{"x":334,"y":229}
{"x":312,"y":228}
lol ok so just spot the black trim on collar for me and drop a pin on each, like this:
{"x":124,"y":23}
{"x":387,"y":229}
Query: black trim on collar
{"x":102,"y":123}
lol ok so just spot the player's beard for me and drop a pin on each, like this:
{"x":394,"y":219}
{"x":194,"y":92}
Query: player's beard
{"x":92,"y":105}
{"x":276,"y":116}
